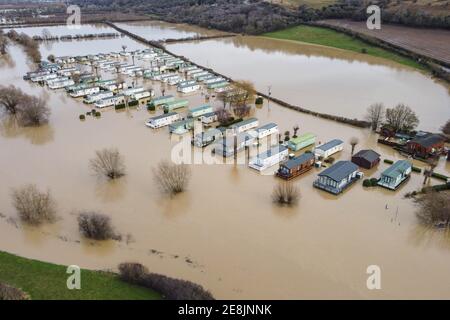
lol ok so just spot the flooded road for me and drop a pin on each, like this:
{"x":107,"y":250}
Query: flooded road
{"x":323,"y":79}
{"x":224,"y":232}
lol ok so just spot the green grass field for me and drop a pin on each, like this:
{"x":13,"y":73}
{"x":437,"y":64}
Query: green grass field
{"x":46,"y":281}
{"x":331,"y":38}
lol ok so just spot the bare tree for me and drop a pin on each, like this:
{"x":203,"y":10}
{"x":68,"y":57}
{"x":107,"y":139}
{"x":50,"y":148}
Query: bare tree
{"x":432,"y":162}
{"x":375,"y":115}
{"x":295,"y":129}
{"x":285,"y":193}
{"x":172,"y":178}
{"x":446,"y":128}
{"x":109,"y":163}
{"x":223,"y":115}
{"x":51,"y":58}
{"x":287,"y":136}
{"x":8,"y":292}
{"x":76,"y":77}
{"x":10,"y":98}
{"x":97,"y":226}
{"x":354,"y":142}
{"x":401,"y":118}
{"x":242,"y":110}
{"x":34,"y":207}
{"x":434,"y":209}
{"x":33,"y":111}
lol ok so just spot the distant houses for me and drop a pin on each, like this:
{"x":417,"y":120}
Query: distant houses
{"x":296,"y":166}
{"x":338,"y":177}
{"x":328,"y":149}
{"x":366,"y":159}
{"x":301,"y":141}
{"x":395,"y":175}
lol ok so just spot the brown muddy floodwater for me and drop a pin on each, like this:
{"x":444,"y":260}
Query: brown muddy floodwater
{"x":223,"y":232}
{"x":323,"y":79}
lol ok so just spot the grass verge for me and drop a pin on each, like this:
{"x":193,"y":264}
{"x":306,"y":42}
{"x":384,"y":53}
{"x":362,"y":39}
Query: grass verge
{"x":335,"y":39}
{"x":46,"y":281}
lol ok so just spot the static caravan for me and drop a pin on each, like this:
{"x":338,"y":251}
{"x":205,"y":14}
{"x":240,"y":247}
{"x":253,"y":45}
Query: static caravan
{"x":188,"y":68}
{"x":203,"y":139}
{"x":174,"y":80}
{"x":131,"y":91}
{"x":395,"y":175}
{"x":44,"y":77}
{"x":161,"y":100}
{"x":267,"y":130}
{"x":187,"y":82}
{"x":175,"y":104}
{"x":338,"y":177}
{"x":302,"y":141}
{"x":98,"y":96}
{"x":327,"y":149}
{"x":199,"y":111}
{"x":212,"y":80}
{"x":269,"y":158}
{"x":208,"y":118}
{"x":193,"y":71}
{"x":206,"y":77}
{"x":143,"y":97}
{"x":244,"y":125}
{"x":199,"y":74}
{"x":111,"y":101}
{"x":229,"y":145}
{"x":218,"y":84}
{"x":182,"y":126}
{"x":296,"y":166}
{"x":168,"y":76}
{"x":84,"y":92}
{"x":188,"y":88}
{"x":162,"y":120}
{"x":60,"y":84}
{"x":67,"y":72}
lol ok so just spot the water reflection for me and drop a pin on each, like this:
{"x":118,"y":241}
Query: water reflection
{"x":111,"y":191}
{"x":426,"y":237}
{"x":10,"y":128}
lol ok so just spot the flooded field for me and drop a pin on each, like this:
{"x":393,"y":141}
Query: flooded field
{"x":224,"y":232}
{"x":158,"y":30}
{"x":323,"y":79}
{"x":62,"y":30}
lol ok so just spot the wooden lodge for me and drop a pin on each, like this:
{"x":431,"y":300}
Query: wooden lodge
{"x":366,"y":159}
{"x":296,"y":166}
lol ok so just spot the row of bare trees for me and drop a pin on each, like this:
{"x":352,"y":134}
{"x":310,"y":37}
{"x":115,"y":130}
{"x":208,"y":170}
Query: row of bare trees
{"x":30,"y":46}
{"x":29,"y":110}
{"x":399,"y":118}
{"x":236,"y":101}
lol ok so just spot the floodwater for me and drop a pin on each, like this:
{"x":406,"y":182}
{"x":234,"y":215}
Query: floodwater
{"x":62,"y":30}
{"x":224,"y":232}
{"x":323,"y":79}
{"x":159,"y":30}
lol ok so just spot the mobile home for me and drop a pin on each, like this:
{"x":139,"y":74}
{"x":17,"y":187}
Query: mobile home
{"x":188,"y":88}
{"x":203,"y":139}
{"x":395,"y":175}
{"x":162,"y":120}
{"x":296,"y":166}
{"x":200,"y":110}
{"x":269,"y":158}
{"x":338,"y":177}
{"x":328,"y":149}
{"x":244,"y":125}
{"x":161,"y":100}
{"x":301,"y":142}
{"x":84,"y":92}
{"x":110,"y":101}
{"x":208,"y":118}
{"x":182,"y":126}
{"x":98,"y":96}
{"x":176,"y":104}
{"x":267,"y":130}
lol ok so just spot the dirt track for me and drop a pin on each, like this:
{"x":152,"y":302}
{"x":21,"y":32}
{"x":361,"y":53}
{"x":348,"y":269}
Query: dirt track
{"x":432,"y":43}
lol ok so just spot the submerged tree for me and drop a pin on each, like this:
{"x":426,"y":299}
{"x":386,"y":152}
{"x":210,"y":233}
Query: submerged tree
{"x":109,"y":163}
{"x":33,"y":206}
{"x":354,"y":142}
{"x":172,"y":178}
{"x":375,"y":115}
{"x":446,"y":128}
{"x":10,"y":98}
{"x":401,"y":118}
{"x":33,"y":111}
{"x":97,"y":226}
{"x":434,"y":209}
{"x":285,"y":193}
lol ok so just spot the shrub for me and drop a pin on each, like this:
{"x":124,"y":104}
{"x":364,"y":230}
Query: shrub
{"x":367,"y":183}
{"x":88,"y":113}
{"x":416,"y":169}
{"x":434,"y":209}
{"x":8,"y":292}
{"x":108,"y":162}
{"x":151,"y":107}
{"x":363,"y":50}
{"x":172,"y":178}
{"x":98,"y":114}
{"x":439,"y":176}
{"x":97,"y":226}
{"x":33,"y":111}
{"x":259,"y":100}
{"x":34,"y":207}
{"x":119,"y":106}
{"x":329,"y":160}
{"x":82,"y":117}
{"x":170,"y":288}
{"x":133,"y":103}
{"x":374,"y":182}
{"x":285,"y":193}
{"x":388,"y":161}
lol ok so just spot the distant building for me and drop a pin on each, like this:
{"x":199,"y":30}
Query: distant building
{"x":395,"y":175}
{"x":338,"y":177}
{"x":366,"y":159}
{"x":162,"y":120}
{"x":296,"y":166}
{"x":267,"y":130}
{"x":269,"y":158}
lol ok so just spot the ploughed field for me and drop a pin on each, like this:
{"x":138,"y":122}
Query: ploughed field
{"x":432,"y":43}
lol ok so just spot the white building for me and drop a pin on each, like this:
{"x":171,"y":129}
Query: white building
{"x":60,"y":84}
{"x":110,"y":101}
{"x":188,"y":88}
{"x":244,"y":125}
{"x":209,"y":118}
{"x":267,"y":130}
{"x":327,"y":149}
{"x":98,"y":96}
{"x":163,"y":120}
{"x":44,"y":77}
{"x":269,"y":158}
{"x":84,"y":92}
